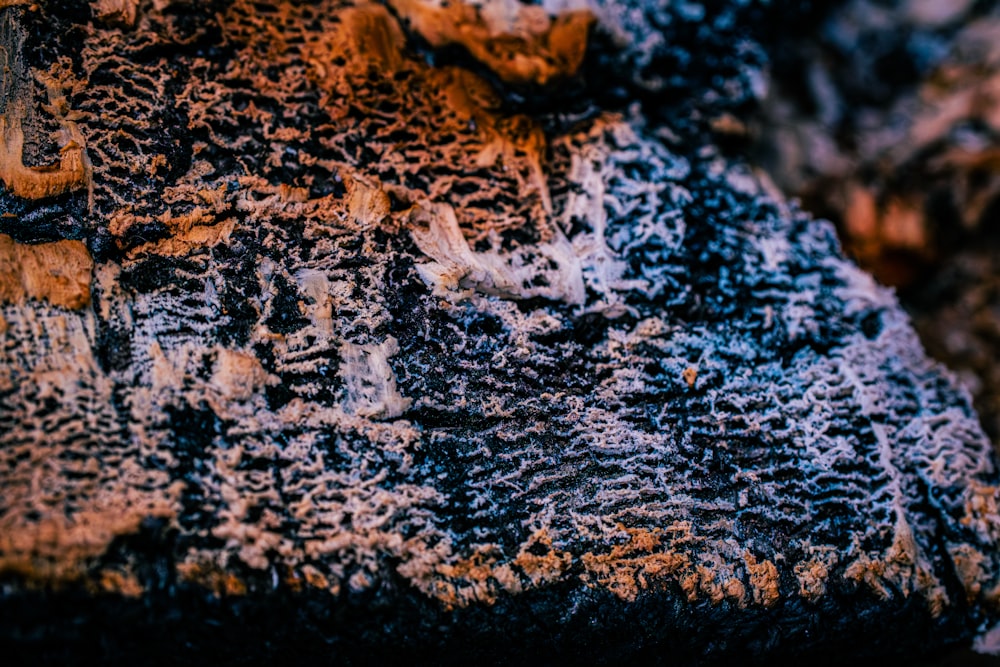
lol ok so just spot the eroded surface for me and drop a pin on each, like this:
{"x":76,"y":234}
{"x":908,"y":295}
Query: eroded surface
{"x":354,"y":320}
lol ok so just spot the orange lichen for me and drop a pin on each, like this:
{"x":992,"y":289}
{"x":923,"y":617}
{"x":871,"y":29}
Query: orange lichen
{"x":982,"y":511}
{"x":541,"y":567}
{"x":484,"y":575}
{"x":868,"y":571}
{"x":58,"y":273}
{"x":221,"y":582}
{"x":314,"y":578}
{"x":714,"y":583}
{"x":764,"y":581}
{"x":478,"y":568}
{"x":899,"y":572}
{"x":634,"y":566}
{"x":121,"y":583}
{"x":468,"y":580}
{"x":520,"y":42}
{"x":901,"y":568}
{"x":813,"y":575}
{"x":969,"y":566}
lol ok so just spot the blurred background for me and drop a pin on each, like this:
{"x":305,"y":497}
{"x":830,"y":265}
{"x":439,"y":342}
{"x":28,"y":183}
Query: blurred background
{"x":885,"y":119}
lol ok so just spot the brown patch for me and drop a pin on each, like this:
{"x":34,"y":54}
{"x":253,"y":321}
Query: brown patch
{"x":122,"y":583}
{"x":728,"y":125}
{"x":299,"y":579}
{"x":520,"y":43}
{"x":969,"y":566}
{"x":212,"y":577}
{"x":763,"y":580}
{"x":237,"y":375}
{"x":370,"y":37}
{"x":634,"y":566}
{"x":58,"y":273}
{"x":813,"y":575}
{"x":73,"y":170}
{"x":179,"y":245}
{"x":870,"y":572}
{"x":861,"y":219}
{"x":891,"y":237}
{"x":56,"y":550}
{"x":903,"y":225}
{"x":478,"y":568}
{"x":368,"y":204}
{"x":690,"y":375}
{"x":116,"y":12}
{"x":314,"y":578}
{"x":39,"y":182}
{"x":543,"y":567}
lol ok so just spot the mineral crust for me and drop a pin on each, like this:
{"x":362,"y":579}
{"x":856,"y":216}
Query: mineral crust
{"x":343,"y":331}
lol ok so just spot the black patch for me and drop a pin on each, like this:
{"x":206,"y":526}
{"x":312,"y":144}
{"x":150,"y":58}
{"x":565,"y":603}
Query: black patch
{"x":157,"y":272}
{"x":286,"y":314}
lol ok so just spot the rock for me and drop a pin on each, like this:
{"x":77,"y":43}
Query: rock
{"x":383,"y":358}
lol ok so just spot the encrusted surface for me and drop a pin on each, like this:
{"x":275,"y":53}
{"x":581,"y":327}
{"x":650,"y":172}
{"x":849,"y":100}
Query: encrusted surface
{"x":356,"y":327}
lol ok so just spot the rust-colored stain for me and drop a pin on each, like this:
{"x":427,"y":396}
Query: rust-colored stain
{"x":521,"y":43}
{"x":58,"y":273}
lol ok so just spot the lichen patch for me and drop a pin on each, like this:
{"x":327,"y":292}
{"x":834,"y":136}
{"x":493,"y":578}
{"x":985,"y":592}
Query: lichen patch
{"x":814,"y":574}
{"x":764,"y":582}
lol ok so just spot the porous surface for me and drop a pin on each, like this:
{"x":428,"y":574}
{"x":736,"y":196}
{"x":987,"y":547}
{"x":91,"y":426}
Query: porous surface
{"x":379,"y":354}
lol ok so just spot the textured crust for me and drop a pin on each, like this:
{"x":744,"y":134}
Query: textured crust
{"x":353,"y":321}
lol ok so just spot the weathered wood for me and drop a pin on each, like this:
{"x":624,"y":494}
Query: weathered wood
{"x":383,"y":355}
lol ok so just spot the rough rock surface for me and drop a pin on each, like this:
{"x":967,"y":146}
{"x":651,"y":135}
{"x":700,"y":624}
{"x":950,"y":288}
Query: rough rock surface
{"x":386,"y":348}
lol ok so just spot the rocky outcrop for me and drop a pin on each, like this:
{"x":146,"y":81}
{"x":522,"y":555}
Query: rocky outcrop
{"x":386,"y":348}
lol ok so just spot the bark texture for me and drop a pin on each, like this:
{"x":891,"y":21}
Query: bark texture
{"x":353,"y":329}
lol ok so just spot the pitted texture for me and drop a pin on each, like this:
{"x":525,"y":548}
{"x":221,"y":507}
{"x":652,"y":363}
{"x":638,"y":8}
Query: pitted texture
{"x":357,"y":327}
